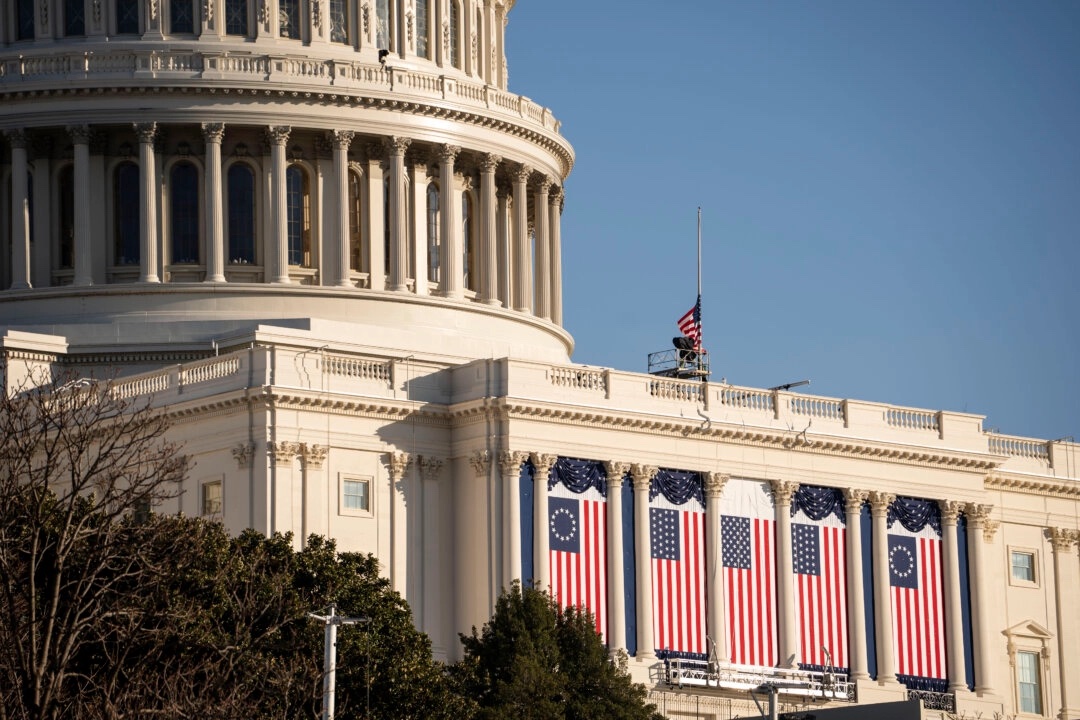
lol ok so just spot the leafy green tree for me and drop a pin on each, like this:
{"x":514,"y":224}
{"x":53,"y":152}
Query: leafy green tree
{"x":535,"y":660}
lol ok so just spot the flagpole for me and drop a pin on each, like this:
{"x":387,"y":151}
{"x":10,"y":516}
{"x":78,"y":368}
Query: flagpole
{"x":700,"y":329}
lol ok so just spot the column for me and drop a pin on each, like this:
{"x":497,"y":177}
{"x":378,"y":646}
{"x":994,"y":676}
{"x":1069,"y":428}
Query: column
{"x":642,"y":476}
{"x":316,"y":487}
{"x":41,"y":240}
{"x":981,"y":532}
{"x":431,"y":604}
{"x":20,"y":212}
{"x":399,"y":249}
{"x":883,"y":620}
{"x":541,"y":557}
{"x":283,"y":506}
{"x":398,"y":464}
{"x":502,"y":242}
{"x":555,"y":236}
{"x":1066,"y":592}
{"x":853,"y":502}
{"x":510,"y":467}
{"x":714,"y":570}
{"x":954,"y":618}
{"x":450,"y":249}
{"x":418,"y":182}
{"x":783,"y":492}
{"x":616,"y":632}
{"x":80,"y":139}
{"x":489,"y":265}
{"x":215,"y":219}
{"x":376,"y":229}
{"x":339,"y":227}
{"x":148,"y":252}
{"x":542,"y":248}
{"x":278,"y":135}
{"x":522,"y":261}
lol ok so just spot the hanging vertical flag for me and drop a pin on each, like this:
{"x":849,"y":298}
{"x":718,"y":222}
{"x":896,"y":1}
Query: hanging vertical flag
{"x":915,"y":579}
{"x":818,"y":549}
{"x":690,"y":323}
{"x":748,"y":540}
{"x":677,"y":536}
{"x":577,"y":542}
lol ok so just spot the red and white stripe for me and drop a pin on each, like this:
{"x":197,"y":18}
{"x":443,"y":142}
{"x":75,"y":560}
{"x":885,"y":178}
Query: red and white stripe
{"x":821,"y":602}
{"x":678,"y":588}
{"x":750,"y":598}
{"x":580,"y":579}
{"x":919,"y":618}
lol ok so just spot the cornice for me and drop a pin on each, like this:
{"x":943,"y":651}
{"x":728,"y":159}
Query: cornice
{"x":1028,"y":485}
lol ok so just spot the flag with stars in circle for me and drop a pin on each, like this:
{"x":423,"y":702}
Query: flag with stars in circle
{"x":916,"y":596}
{"x":577,"y":548}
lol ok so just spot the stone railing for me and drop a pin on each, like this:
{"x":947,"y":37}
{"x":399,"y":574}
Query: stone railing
{"x":586,"y":379}
{"x":910,"y":419}
{"x":178,"y":378}
{"x":165,"y":66}
{"x":1020,"y":447}
{"x":817,"y":407}
{"x":360,"y":368}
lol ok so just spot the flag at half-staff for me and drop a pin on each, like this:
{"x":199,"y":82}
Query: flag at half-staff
{"x":690,"y":323}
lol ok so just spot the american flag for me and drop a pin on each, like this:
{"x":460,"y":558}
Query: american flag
{"x":749,"y":558}
{"x":818,"y":559}
{"x":577,"y":526}
{"x":690,"y":323}
{"x":677,"y":535}
{"x":917,"y":606}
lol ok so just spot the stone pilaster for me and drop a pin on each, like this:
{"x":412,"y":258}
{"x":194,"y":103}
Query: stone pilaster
{"x":954,"y":618}
{"x":979,"y":525}
{"x":542,"y":247}
{"x":399,"y":248}
{"x":520,"y":259}
{"x":398,"y":463}
{"x":510,"y":469}
{"x":80,"y":139}
{"x":148,"y":252}
{"x":783,"y":492}
{"x":642,"y":476}
{"x":489,"y":290}
{"x":883,"y":621}
{"x":853,"y":503}
{"x":215,"y":220}
{"x":278,"y":137}
{"x":542,"y":464}
{"x":714,"y":571}
{"x":616,"y":633}
{"x":450,"y":249}
{"x":339,"y":224}
{"x":555,"y":205}
{"x":1067,"y":590}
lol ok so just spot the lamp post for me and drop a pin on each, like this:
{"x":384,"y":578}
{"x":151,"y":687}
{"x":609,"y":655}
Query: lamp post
{"x":331,"y":621}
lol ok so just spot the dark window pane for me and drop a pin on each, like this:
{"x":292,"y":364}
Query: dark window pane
{"x":67,"y":217}
{"x":355,"y":223}
{"x":74,"y":17}
{"x":294,"y":213}
{"x":455,"y":34}
{"x":241,"y":215}
{"x":127,"y":17}
{"x":339,"y":22}
{"x":289,"y":14}
{"x":126,"y":190}
{"x":236,"y":17}
{"x":184,"y":214}
{"x":24,"y":19}
{"x":181,"y":18}
{"x":422,"y":12}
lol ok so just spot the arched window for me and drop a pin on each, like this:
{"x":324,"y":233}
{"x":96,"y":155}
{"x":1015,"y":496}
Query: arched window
{"x":126,"y":212}
{"x":339,"y":22}
{"x":423,"y":13}
{"x":289,"y":18}
{"x":181,"y":17}
{"x":433,"y":231}
{"x":469,"y":244}
{"x":455,"y":34}
{"x":24,"y":19}
{"x":67,"y":217}
{"x":184,"y":213}
{"x":356,"y":249}
{"x":236,"y":17}
{"x":127,"y":17}
{"x":382,"y":24}
{"x":298,"y":215}
{"x":74,"y":17}
{"x":241,"y":180}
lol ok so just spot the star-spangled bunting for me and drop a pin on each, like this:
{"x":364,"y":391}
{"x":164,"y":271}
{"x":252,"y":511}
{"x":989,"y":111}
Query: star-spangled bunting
{"x":915,"y":580}
{"x":577,"y":526}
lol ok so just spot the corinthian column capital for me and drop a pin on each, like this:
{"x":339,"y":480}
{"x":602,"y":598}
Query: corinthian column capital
{"x":480,"y":461}
{"x":398,"y":462}
{"x":510,"y":462}
{"x":213,"y":132}
{"x":714,"y":483}
{"x":642,"y":475}
{"x":880,"y":502}
{"x":278,"y":134}
{"x":783,"y":491}
{"x":543,"y":462}
{"x":146,"y":132}
{"x":615,"y":471}
{"x":854,"y":499}
{"x":950,"y":510}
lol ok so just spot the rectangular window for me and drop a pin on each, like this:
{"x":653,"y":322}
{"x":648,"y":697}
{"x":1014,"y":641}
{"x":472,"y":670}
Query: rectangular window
{"x":339,"y":22}
{"x":289,"y":18}
{"x":355,"y":496}
{"x":127,"y":17}
{"x":236,"y":17}
{"x":211,"y":498}
{"x":1022,"y":566}
{"x":1029,"y":683}
{"x":24,"y":19}
{"x":74,"y":18}
{"x":423,"y":10}
{"x":182,"y":17}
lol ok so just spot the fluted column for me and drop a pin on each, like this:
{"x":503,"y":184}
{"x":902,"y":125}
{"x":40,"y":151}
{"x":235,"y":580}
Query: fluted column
{"x":398,"y":463}
{"x":434,"y":584}
{"x":521,"y":258}
{"x":148,"y":253}
{"x":783,"y":492}
{"x":642,"y":476}
{"x":555,"y":205}
{"x":853,"y":503}
{"x":954,"y":618}
{"x":883,"y":621}
{"x":541,"y":557}
{"x":418,"y":183}
{"x":1066,"y":592}
{"x":376,"y":229}
{"x":399,"y":248}
{"x":714,"y":571}
{"x":339,"y":227}
{"x":502,"y":241}
{"x":215,"y":233}
{"x":489,"y":266}
{"x":80,"y":140}
{"x":510,"y":468}
{"x":450,"y":249}
{"x":20,"y":212}
{"x":616,"y":631}
{"x":542,"y":248}
{"x":278,"y":136}
{"x":980,"y":532}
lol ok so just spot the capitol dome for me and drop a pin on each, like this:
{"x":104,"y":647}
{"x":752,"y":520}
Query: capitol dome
{"x":176,"y":171}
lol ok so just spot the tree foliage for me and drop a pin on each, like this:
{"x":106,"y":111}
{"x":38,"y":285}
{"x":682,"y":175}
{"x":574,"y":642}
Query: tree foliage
{"x":535,"y":660}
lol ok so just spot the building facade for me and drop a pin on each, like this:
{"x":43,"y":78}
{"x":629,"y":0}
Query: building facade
{"x":325,"y":237}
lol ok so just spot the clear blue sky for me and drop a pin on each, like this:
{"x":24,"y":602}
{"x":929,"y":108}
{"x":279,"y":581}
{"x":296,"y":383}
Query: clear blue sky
{"x":891,"y":192}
